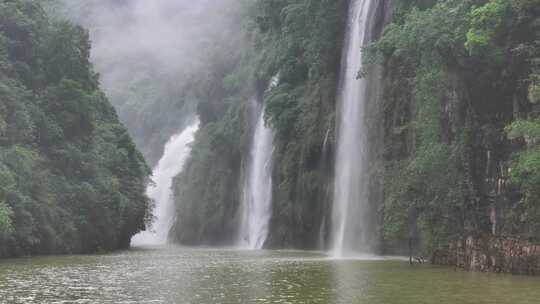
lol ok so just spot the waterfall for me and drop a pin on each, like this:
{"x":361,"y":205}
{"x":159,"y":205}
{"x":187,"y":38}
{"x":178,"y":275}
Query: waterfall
{"x":350,"y":201}
{"x":256,"y":202}
{"x":257,"y":189}
{"x":171,"y":163}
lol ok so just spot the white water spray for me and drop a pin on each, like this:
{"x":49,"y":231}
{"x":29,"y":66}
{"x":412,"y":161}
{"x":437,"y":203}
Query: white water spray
{"x":349,"y":214}
{"x":257,"y":190}
{"x":171,"y":163}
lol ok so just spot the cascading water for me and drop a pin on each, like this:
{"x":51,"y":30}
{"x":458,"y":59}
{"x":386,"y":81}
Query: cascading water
{"x":257,"y":189}
{"x":171,"y":163}
{"x":350,"y":205}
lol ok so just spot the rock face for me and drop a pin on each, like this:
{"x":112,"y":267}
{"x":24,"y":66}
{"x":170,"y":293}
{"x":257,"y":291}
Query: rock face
{"x":449,"y":190}
{"x":499,"y":234}
{"x":492,"y":254}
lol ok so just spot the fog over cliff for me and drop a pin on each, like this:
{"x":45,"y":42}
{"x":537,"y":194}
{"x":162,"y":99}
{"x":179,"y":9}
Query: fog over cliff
{"x":148,"y":53}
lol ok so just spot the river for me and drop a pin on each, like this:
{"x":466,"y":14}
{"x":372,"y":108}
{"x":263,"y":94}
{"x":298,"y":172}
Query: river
{"x":210,"y":276}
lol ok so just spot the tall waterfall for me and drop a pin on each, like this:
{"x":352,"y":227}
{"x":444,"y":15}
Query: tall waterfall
{"x":171,"y":163}
{"x":350,"y":205}
{"x":257,"y":189}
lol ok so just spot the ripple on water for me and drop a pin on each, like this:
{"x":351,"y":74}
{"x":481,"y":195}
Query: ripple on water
{"x":205,"y":276}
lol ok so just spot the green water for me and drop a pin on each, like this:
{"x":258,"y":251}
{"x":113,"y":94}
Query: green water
{"x":204,"y":276}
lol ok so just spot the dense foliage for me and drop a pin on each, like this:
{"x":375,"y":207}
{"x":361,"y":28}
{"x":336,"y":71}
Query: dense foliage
{"x":151,"y":55}
{"x":71,"y":179}
{"x":300,"y":42}
{"x":461,"y":87}
{"x":526,"y":164}
{"x":457,"y":73}
{"x":207,"y":191}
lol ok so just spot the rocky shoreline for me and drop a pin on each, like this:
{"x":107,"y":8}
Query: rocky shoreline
{"x":492,"y":254}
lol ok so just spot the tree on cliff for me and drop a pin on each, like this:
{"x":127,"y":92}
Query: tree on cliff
{"x":71,"y":179}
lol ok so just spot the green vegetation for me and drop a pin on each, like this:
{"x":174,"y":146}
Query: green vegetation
{"x":158,"y":57}
{"x":424,"y":176}
{"x":71,"y":179}
{"x":461,"y":83}
{"x":300,"y":41}
{"x":457,"y":73}
{"x":461,"y":86}
{"x":207,"y":191}
{"x":526,"y":164}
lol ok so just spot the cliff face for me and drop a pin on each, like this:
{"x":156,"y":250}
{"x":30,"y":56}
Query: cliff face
{"x":302,"y":42}
{"x":458,"y":116}
{"x":304,"y":174}
{"x":306,"y":37}
{"x":452,"y":130}
{"x":492,"y":254}
{"x":498,"y":231}
{"x":71,"y":179}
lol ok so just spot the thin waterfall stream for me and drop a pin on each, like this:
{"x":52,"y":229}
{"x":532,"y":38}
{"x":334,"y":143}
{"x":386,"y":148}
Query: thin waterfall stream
{"x":257,"y":192}
{"x":350,"y":201}
{"x":257,"y":189}
{"x":171,"y":163}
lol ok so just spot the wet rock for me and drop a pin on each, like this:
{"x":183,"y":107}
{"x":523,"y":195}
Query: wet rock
{"x":492,"y":254}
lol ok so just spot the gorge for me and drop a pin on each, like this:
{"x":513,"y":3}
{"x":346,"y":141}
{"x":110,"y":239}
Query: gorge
{"x":303,"y":151}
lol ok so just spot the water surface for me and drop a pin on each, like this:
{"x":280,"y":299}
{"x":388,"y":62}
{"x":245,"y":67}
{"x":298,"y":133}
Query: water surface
{"x":205,"y":276}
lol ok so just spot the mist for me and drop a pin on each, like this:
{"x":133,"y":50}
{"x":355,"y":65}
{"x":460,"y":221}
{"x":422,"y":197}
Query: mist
{"x":147,"y":52}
